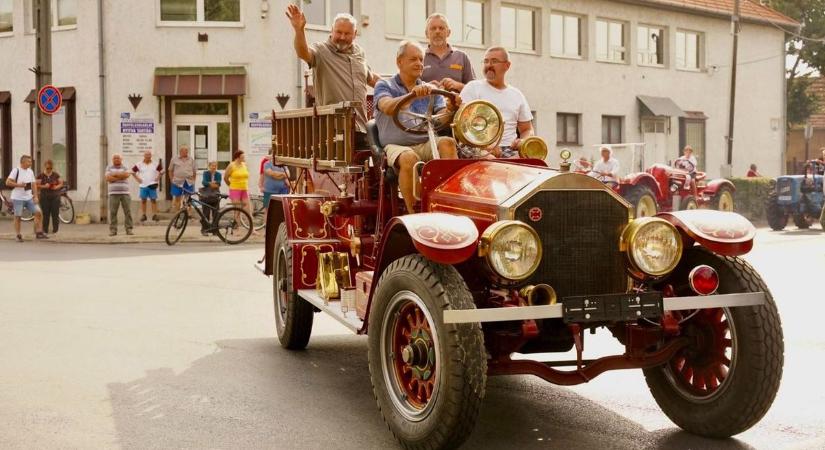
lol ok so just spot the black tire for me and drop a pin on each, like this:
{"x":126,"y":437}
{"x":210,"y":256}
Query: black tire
{"x":176,"y":227}
{"x":723,"y":200}
{"x":803,"y":221}
{"x":642,"y":199}
{"x":688,"y":203}
{"x":229,"y":229}
{"x":748,"y":387}
{"x":447,"y":361}
{"x":66,"y":213}
{"x":776,"y":215}
{"x":293,"y":315}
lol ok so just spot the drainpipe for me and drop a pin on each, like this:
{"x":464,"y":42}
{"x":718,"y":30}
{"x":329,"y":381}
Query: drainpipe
{"x":104,"y":142}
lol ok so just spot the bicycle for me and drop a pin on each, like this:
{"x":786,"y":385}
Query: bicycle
{"x":258,"y":212}
{"x":66,"y":213}
{"x":226,"y":222}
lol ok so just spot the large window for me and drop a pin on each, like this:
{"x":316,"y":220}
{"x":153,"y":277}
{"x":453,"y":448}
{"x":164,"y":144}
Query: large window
{"x":567,"y":128}
{"x":466,"y":20}
{"x":518,"y":28}
{"x":200,"y":10}
{"x":322,"y":12}
{"x":565,"y":35}
{"x":64,"y":136}
{"x":612,"y":129}
{"x":688,"y":50}
{"x":406,"y":17}
{"x":610,"y":41}
{"x":64,"y":14}
{"x":6,"y":16}
{"x":650,"y":43}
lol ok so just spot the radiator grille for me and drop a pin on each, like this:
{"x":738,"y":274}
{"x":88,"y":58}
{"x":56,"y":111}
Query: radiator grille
{"x":580,"y":232}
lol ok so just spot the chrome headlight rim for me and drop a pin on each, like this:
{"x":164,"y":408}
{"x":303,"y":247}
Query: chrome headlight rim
{"x":463,"y":118}
{"x":486,"y":244}
{"x":630,"y":242}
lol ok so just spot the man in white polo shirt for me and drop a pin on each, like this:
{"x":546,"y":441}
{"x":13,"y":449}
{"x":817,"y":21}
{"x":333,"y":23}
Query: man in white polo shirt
{"x":24,"y":196}
{"x":509,"y":100}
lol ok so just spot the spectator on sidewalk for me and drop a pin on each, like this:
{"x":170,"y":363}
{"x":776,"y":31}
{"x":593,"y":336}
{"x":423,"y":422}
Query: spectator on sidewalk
{"x":181,"y":176}
{"x":209,"y":194}
{"x":117,"y":176}
{"x":276,"y":182}
{"x":267,"y":158}
{"x":148,"y":173}
{"x":237,"y":176}
{"x":24,"y":195}
{"x":49,"y":185}
{"x":752,"y":172}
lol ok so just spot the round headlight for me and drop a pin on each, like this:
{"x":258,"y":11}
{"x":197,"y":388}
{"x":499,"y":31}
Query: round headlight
{"x":478,"y":124}
{"x":654,"y":246}
{"x":512,"y":249}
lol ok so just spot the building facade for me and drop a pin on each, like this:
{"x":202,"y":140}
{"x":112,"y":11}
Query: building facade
{"x":207,"y":72}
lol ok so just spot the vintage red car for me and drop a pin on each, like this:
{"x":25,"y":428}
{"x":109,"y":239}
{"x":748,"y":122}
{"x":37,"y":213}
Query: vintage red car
{"x":665,"y":188}
{"x":505,"y":257}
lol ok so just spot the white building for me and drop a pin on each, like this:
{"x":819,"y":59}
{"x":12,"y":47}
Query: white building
{"x":596,"y":71}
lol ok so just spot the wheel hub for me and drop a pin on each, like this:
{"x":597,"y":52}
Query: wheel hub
{"x":700,"y":370}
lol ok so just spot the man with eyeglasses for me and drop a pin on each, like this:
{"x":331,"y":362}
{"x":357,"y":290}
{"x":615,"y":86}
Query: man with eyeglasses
{"x":509,"y":100}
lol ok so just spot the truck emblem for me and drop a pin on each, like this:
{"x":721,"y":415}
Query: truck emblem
{"x":535,"y":214}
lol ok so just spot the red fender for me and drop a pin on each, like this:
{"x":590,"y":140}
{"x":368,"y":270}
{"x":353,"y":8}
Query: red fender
{"x":642,"y":178}
{"x":724,"y":233}
{"x":714,"y":185}
{"x":442,"y":238}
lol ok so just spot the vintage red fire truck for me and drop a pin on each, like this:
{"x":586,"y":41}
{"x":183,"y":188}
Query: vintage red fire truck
{"x":511,"y":257}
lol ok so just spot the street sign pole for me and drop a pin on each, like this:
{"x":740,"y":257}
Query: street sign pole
{"x":43,"y":77}
{"x":727,"y":169}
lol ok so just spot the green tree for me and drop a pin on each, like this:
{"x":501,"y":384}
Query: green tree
{"x":807,"y":47}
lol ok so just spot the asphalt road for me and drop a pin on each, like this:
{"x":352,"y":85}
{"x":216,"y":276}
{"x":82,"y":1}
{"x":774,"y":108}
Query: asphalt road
{"x":146,"y":346}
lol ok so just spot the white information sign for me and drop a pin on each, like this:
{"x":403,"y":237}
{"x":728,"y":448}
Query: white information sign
{"x":137,"y":133}
{"x":260,"y":133}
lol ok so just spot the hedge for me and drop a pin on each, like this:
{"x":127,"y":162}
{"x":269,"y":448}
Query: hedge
{"x":751,"y":195}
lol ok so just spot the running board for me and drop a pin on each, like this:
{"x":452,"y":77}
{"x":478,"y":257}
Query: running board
{"x":556,"y":311}
{"x":349,"y":319}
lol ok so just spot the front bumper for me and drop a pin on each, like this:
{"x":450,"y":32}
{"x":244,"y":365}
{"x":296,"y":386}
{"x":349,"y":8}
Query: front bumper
{"x":557,"y":311}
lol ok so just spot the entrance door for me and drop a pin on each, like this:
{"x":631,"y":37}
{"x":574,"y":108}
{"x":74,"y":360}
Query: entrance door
{"x":655,"y":139}
{"x":205,"y":127}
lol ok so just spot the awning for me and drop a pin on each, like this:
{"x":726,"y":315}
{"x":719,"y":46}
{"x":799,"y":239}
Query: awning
{"x":67,"y":92}
{"x":5,"y":96}
{"x":659,"y":106}
{"x":200,"y":81}
{"x":695,"y":115}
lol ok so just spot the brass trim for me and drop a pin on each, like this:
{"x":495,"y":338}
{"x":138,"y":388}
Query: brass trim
{"x":458,"y":132}
{"x":333,"y":274}
{"x":533,"y":147}
{"x":628,"y":240}
{"x":298,"y":229}
{"x":468,"y":212}
{"x":492,"y":232}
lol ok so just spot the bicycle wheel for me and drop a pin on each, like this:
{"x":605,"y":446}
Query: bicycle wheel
{"x":66,"y":213}
{"x":176,"y":227}
{"x":230,"y":229}
{"x":257,"y":219}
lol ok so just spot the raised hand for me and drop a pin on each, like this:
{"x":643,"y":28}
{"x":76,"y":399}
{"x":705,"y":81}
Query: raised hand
{"x":296,"y":17}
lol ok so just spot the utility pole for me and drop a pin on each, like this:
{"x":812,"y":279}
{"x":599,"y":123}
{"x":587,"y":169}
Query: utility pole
{"x":43,"y":76}
{"x":727,"y":170}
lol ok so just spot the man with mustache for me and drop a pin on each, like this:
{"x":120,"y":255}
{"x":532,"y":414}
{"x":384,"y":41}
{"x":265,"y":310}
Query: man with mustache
{"x":509,"y":100}
{"x":451,"y":69}
{"x":403,"y":149}
{"x":340,"y":69}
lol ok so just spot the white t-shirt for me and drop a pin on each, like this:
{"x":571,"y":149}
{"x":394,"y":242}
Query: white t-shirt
{"x":148,"y":172}
{"x":19,"y":175}
{"x":611,"y":166}
{"x":510,"y":101}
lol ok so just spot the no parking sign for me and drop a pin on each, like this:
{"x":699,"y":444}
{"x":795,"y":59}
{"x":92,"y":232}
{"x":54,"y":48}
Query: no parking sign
{"x":49,"y":99}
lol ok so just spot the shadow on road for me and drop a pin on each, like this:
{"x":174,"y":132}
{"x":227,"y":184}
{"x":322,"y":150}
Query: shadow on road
{"x":40,"y":251}
{"x":254,"y":394}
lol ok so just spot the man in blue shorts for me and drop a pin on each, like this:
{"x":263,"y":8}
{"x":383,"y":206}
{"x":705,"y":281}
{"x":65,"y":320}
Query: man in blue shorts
{"x":24,"y":196}
{"x":148,"y":173}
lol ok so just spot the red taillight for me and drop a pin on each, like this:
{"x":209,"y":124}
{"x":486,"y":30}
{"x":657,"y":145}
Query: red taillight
{"x":704,"y":280}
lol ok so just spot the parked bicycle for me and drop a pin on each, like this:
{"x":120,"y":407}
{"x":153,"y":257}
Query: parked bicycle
{"x":258,"y":212}
{"x":66,"y":213}
{"x":229,"y":223}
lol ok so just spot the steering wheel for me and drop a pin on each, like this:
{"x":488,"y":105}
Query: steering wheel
{"x":438,"y":121}
{"x":684,"y":164}
{"x":604,"y":179}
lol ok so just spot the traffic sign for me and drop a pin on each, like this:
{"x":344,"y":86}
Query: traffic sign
{"x":49,"y":99}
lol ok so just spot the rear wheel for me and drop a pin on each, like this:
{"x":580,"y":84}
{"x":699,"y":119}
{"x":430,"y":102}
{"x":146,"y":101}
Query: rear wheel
{"x":229,"y":225}
{"x":643,"y":201}
{"x":66,"y":212}
{"x":428,"y":377}
{"x":726,"y":380}
{"x":723,"y":200}
{"x":776,"y":215}
{"x":176,"y":227}
{"x":293,"y":315}
{"x":803,"y":221}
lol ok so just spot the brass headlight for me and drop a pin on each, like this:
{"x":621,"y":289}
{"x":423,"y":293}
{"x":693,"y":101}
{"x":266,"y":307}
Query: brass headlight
{"x":653,"y":246}
{"x":478,"y":124}
{"x":533,"y":147}
{"x":512,"y":249}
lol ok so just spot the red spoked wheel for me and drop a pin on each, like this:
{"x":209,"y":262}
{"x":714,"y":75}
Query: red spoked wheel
{"x":699,"y":371}
{"x":410,"y":349}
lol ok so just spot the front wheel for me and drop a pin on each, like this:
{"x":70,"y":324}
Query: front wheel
{"x":723,"y":200}
{"x":228,"y":225}
{"x":688,"y":203}
{"x":428,"y":377}
{"x":643,"y":201}
{"x":66,"y":213}
{"x":803,"y":221}
{"x":293,"y":315}
{"x":726,"y":379}
{"x":176,"y":227}
{"x":776,"y":215}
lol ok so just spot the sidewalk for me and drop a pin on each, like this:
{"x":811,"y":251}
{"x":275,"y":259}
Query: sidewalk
{"x":97,"y":233}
